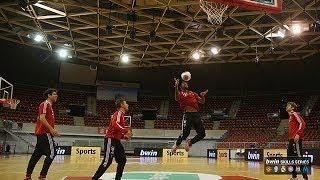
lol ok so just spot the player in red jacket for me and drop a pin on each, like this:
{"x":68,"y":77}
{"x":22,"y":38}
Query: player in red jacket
{"x":112,"y":145}
{"x":296,"y":135}
{"x":189,"y":104}
{"x":45,"y":131}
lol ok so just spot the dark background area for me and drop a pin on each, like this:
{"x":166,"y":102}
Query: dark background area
{"x":22,"y":64}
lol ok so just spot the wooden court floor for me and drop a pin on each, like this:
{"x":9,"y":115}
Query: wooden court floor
{"x":67,"y":167}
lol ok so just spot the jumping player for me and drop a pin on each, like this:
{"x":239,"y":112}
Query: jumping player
{"x":45,"y":132}
{"x":189,"y":105}
{"x":112,"y":145}
{"x":296,"y":134}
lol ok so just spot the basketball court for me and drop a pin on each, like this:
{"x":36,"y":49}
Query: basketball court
{"x":146,"y":168}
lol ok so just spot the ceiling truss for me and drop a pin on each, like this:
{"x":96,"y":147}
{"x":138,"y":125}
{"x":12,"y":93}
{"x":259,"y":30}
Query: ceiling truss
{"x":181,"y":28}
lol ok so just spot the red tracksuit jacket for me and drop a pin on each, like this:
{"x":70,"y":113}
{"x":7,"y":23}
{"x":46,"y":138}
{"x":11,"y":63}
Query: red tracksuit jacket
{"x":116,"y":127}
{"x":296,"y":125}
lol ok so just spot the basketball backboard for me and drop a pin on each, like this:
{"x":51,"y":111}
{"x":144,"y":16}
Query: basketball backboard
{"x":272,"y":6}
{"x":215,"y":9}
{"x":6,"y":89}
{"x":6,"y":93}
{"x":127,"y":121}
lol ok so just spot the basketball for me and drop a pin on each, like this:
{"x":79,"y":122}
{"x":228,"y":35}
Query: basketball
{"x":186,"y":76}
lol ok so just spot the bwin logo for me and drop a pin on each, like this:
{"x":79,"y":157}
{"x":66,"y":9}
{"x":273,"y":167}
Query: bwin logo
{"x":253,"y":156}
{"x":212,"y":154}
{"x":60,"y":151}
{"x":148,"y":153}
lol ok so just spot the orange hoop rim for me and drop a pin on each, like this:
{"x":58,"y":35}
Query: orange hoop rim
{"x":12,"y":103}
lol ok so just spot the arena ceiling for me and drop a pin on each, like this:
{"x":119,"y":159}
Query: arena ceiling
{"x":181,"y":28}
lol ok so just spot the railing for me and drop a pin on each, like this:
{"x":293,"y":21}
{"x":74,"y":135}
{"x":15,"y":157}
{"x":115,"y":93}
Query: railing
{"x":268,"y":145}
{"x":275,"y":145}
{"x":311,"y":144}
{"x":305,"y":144}
{"x":15,"y":129}
{"x":231,"y":145}
{"x":127,"y":144}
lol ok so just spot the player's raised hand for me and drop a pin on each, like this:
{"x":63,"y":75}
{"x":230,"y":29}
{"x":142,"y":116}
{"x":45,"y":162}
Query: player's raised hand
{"x":176,"y":82}
{"x":202,"y":94}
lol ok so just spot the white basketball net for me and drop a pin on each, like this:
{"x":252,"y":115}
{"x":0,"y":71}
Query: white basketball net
{"x":214,"y":11}
{"x":13,"y":103}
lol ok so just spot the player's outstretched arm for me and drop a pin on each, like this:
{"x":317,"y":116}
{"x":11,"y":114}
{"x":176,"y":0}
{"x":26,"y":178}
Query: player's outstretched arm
{"x":176,"y":89}
{"x":201,"y":98}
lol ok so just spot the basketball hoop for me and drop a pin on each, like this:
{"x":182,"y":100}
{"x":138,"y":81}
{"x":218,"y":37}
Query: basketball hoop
{"x":12,"y":103}
{"x":214,"y":10}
